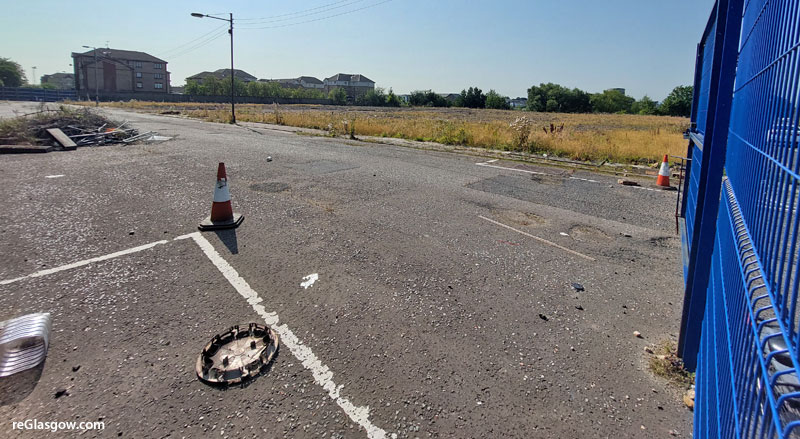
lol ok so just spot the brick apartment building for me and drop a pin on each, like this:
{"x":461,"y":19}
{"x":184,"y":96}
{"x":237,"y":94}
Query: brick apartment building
{"x":120,"y":71}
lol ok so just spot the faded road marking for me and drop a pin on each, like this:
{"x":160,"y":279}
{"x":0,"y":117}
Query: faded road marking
{"x":510,"y":169}
{"x":584,"y":179}
{"x":648,"y":188}
{"x":552,"y":244}
{"x":322,"y":375}
{"x":309,"y":280}
{"x":488,"y":165}
{"x":588,"y":180}
{"x":85,"y":262}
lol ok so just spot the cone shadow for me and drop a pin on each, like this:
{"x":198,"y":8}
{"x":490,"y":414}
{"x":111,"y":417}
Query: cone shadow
{"x":228,"y":237}
{"x":17,"y":387}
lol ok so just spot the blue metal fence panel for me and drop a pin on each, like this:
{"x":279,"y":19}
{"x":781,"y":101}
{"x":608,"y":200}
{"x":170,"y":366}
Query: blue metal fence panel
{"x":725,"y":21}
{"x":747,"y":358}
{"x":36,"y":94}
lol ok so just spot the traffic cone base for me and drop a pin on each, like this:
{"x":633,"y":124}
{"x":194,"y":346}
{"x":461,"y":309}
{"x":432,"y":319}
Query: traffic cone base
{"x":207,"y":224}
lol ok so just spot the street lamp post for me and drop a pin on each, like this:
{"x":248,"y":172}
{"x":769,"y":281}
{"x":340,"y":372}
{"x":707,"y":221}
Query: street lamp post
{"x":96,"y":83}
{"x":230,"y":31}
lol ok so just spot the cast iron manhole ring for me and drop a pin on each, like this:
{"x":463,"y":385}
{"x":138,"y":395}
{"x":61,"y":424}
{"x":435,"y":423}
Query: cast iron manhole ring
{"x":237,"y":355}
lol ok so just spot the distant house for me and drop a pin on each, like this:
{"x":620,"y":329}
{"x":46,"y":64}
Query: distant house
{"x":450,"y":97}
{"x":404,"y":98}
{"x":119,"y":71}
{"x":518,"y":102}
{"x":300,"y":82}
{"x":621,"y":90}
{"x":222,"y":74}
{"x":354,"y":84}
{"x":311,"y":82}
{"x":61,"y":81}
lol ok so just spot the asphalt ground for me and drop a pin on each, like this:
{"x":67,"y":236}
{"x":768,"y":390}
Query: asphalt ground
{"x":443,"y":305}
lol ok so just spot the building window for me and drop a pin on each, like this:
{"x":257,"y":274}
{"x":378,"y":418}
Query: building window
{"x":138,"y":74}
{"x":139,"y":85}
{"x":158,"y":75}
{"x":158,"y":65}
{"x":137,"y":64}
{"x":158,"y":85}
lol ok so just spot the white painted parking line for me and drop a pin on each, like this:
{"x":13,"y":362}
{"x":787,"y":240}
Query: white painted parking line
{"x":647,"y":188}
{"x":309,"y":280}
{"x":488,"y":165}
{"x":85,"y":262}
{"x":550,"y":243}
{"x":322,"y":375}
{"x":511,"y":169}
{"x":584,"y":179}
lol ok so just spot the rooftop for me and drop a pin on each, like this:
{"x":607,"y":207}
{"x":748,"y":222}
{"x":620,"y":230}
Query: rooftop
{"x":121,"y":54}
{"x":349,"y":77}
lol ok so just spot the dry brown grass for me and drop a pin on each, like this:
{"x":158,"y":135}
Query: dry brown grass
{"x":666,"y":364}
{"x":620,"y":138}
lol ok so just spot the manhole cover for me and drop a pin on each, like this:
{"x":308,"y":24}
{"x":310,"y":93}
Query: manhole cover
{"x":269,"y":187}
{"x":237,"y":355}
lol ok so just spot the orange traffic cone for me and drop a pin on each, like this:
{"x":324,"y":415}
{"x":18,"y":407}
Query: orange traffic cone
{"x":663,"y":173}
{"x":222,"y":216}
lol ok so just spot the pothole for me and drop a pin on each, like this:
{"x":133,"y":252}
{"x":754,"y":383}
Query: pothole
{"x":582,"y":232}
{"x":547,"y":179}
{"x":269,"y":187}
{"x":520,"y":218}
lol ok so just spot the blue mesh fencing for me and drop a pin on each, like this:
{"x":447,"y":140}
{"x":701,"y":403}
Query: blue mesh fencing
{"x":743,"y":286}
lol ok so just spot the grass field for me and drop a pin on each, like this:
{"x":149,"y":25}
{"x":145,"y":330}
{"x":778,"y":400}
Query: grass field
{"x":621,"y":138}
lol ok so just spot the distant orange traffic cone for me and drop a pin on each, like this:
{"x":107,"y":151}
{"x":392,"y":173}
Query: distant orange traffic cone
{"x":222,"y":216}
{"x":663,"y":173}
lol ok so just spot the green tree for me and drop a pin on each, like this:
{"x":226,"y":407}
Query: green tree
{"x":373,"y":98}
{"x":11,"y":74}
{"x":427,"y":98}
{"x":392,"y":100}
{"x":496,"y":101}
{"x":308,"y":93}
{"x":556,"y":98}
{"x":211,"y":86}
{"x":239,"y":87}
{"x":679,"y":102}
{"x":192,"y":88}
{"x":645,"y":106}
{"x":338,"y":95}
{"x":472,"y":97}
{"x":611,"y":101}
{"x":253,"y":88}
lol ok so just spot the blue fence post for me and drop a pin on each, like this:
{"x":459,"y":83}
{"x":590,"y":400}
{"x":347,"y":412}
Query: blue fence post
{"x":729,"y":19}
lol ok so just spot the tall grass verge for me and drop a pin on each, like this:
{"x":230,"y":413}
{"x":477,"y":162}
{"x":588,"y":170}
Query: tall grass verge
{"x":618,"y":138}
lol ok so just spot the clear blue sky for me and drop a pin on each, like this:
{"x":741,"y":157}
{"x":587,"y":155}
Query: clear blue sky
{"x":645,"y":46}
